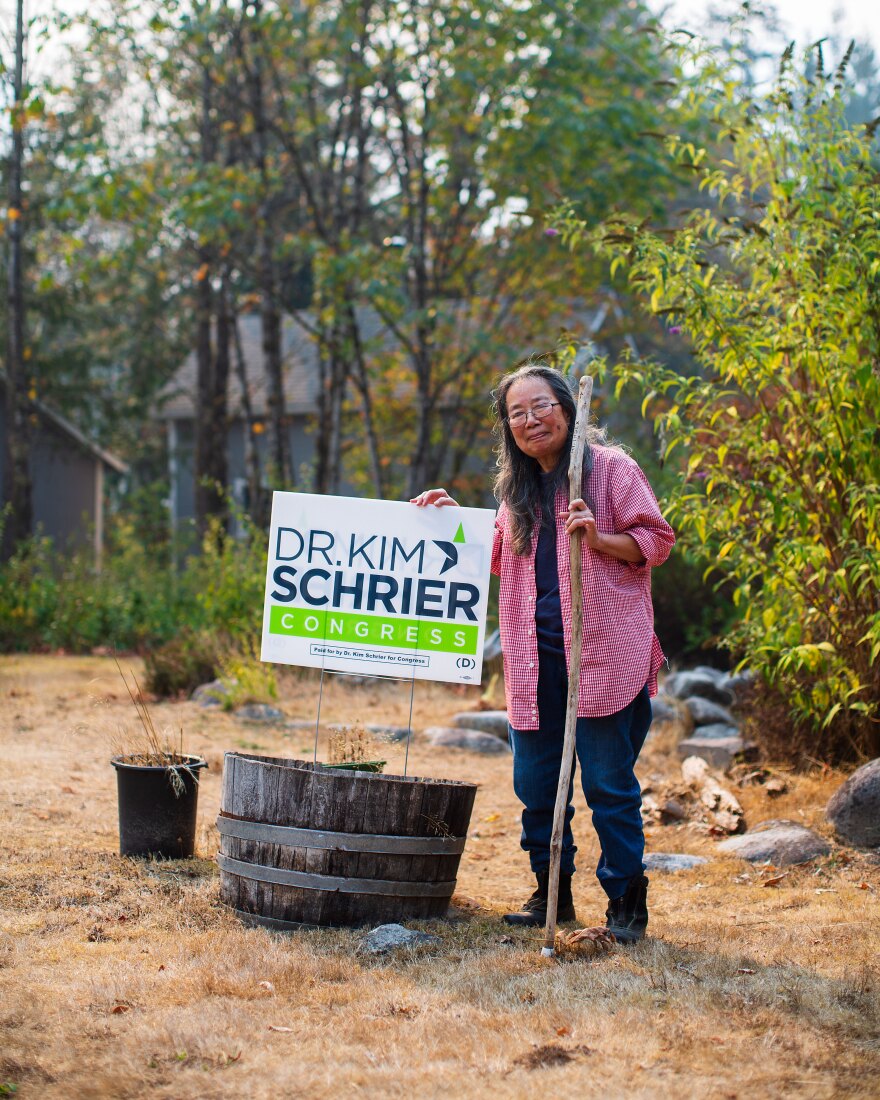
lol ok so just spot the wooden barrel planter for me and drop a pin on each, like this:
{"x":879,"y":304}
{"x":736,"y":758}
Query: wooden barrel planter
{"x":301,"y":844}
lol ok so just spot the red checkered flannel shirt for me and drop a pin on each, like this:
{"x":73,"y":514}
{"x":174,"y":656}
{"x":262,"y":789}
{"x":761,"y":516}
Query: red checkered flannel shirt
{"x":620,"y":651}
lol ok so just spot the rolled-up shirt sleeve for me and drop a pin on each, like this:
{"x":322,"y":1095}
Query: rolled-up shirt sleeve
{"x":636,"y":513}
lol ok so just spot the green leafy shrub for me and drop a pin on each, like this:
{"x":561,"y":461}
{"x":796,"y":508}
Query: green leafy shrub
{"x":774,"y":276}
{"x":180,"y":665}
{"x":137,"y":601}
{"x":246,"y":679}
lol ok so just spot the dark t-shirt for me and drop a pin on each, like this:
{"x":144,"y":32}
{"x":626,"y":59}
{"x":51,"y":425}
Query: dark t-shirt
{"x":548,"y":611}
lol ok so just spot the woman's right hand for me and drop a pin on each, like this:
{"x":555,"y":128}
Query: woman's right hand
{"x":439,"y":497}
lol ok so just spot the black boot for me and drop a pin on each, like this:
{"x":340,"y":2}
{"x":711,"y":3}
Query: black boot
{"x":534,"y":912}
{"x":628,"y":915}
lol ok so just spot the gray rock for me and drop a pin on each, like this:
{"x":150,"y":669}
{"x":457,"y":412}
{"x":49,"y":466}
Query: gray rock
{"x":669,"y":861}
{"x":672,"y":810}
{"x":664,"y":708}
{"x":737,"y":682}
{"x":706,"y":682}
{"x":211,"y":695}
{"x":706,"y":713}
{"x":259,"y":712}
{"x":389,"y":733}
{"x":719,"y":752}
{"x":854,"y":808}
{"x":486,"y":721}
{"x":782,"y":843}
{"x":716,"y":731}
{"x":450,"y":737}
{"x":387,"y":937}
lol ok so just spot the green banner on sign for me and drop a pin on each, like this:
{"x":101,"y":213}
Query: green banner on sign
{"x":353,"y":628}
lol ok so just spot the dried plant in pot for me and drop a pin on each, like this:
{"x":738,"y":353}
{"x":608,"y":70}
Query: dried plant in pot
{"x":158,"y":789}
{"x":352,"y":748}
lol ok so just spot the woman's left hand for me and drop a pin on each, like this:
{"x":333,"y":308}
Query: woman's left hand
{"x":579,"y":517}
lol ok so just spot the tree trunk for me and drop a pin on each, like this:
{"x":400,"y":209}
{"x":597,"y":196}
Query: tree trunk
{"x":17,"y":491}
{"x":362,"y":382}
{"x":255,"y":505}
{"x":278,"y":461}
{"x":205,"y":440}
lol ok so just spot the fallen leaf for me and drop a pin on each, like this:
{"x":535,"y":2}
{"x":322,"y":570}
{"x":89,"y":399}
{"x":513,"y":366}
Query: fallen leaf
{"x":120,"y":1008}
{"x":745,"y":970}
{"x":563,"y":1031}
{"x":162,"y":966}
{"x":268,"y":986}
{"x":775,"y":881}
{"x":68,"y":790}
{"x":866,"y":886}
{"x":594,"y":939}
{"x":276,"y":1027}
{"x":493,"y":817}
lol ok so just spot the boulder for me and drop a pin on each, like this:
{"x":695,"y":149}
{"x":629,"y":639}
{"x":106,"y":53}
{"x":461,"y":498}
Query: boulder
{"x":670,"y":862}
{"x":389,"y":733}
{"x":706,"y":713}
{"x":259,"y":712}
{"x":854,"y":808}
{"x":486,"y":721}
{"x":719,"y":751}
{"x":704,"y":681}
{"x":378,"y":941}
{"x":211,"y":695}
{"x":664,"y":708}
{"x":717,"y":731}
{"x":737,"y":682}
{"x":781,"y":843}
{"x":452,"y":737}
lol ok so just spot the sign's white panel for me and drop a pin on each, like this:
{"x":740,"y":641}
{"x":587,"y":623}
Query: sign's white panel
{"x":377,"y":587}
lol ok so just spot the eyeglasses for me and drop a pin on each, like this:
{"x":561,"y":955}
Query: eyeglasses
{"x":540,"y":412}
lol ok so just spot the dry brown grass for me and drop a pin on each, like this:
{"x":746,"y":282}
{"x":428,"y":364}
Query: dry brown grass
{"x":121,"y":978}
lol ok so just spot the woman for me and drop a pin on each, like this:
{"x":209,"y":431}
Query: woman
{"x":623,"y":536}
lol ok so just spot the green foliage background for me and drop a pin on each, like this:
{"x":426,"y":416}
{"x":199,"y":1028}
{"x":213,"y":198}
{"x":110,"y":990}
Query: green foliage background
{"x":774,"y":276}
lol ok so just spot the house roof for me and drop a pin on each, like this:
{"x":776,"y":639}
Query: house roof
{"x":177,"y":398}
{"x":64,"y":426}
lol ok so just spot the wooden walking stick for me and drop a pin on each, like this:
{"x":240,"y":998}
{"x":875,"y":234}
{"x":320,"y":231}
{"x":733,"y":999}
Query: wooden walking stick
{"x":575,"y":480}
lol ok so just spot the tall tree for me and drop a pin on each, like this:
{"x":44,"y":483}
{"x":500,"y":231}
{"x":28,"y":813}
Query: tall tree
{"x":17,"y":475}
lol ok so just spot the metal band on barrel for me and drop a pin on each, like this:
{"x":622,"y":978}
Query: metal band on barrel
{"x":341,"y":842}
{"x":331,"y":884}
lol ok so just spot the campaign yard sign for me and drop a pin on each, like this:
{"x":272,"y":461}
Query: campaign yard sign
{"x":377,"y":587}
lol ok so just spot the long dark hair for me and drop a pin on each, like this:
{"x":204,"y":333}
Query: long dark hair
{"x":518,"y":482}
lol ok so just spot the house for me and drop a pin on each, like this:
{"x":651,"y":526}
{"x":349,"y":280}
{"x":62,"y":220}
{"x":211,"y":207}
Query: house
{"x":68,"y":474}
{"x":176,"y":403}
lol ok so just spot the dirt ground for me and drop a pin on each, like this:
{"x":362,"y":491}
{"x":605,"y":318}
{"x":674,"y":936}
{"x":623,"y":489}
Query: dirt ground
{"x":124,"y":978}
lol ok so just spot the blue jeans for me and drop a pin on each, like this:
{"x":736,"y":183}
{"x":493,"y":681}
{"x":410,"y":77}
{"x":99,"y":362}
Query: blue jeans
{"x":607,"y":749}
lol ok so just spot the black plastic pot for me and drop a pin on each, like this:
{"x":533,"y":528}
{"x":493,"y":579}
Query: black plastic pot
{"x":157,"y":807}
